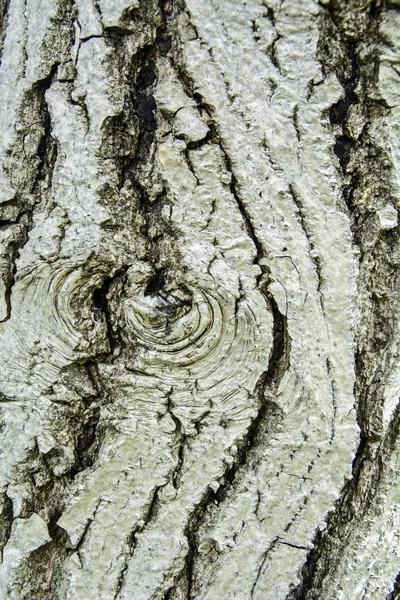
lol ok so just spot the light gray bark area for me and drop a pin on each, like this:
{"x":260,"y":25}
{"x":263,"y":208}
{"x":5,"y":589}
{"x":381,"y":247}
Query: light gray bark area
{"x":199,"y":294}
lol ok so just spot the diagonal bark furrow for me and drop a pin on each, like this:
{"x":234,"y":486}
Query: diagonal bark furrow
{"x":313,"y":257}
{"x":245,"y":216}
{"x":149,"y":514}
{"x":349,"y":48}
{"x":4,"y":6}
{"x":189,"y":86}
{"x":268,"y":415}
{"x":264,"y":559}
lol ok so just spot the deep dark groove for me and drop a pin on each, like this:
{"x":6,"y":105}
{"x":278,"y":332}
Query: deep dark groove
{"x":350,"y":49}
{"x":343,"y":149}
{"x":268,"y":413}
{"x":395,"y":593}
{"x":149,"y":515}
{"x":86,"y":443}
{"x":4,"y":6}
{"x":47,"y":154}
{"x":6,"y":519}
{"x":101,"y":305}
{"x":156,"y":284}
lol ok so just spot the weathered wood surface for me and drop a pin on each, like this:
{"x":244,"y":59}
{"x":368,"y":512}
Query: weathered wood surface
{"x":199,"y":295}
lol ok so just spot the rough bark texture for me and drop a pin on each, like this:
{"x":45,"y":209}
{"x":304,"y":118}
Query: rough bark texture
{"x":199,"y":289}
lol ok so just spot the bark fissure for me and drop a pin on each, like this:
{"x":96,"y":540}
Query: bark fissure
{"x":267,"y":414}
{"x":348,"y":37}
{"x":214,"y":135}
{"x":312,"y":253}
{"x":395,"y":593}
{"x":149,"y":514}
{"x":6,"y":516}
{"x":263,"y":561}
{"x":41,"y":177}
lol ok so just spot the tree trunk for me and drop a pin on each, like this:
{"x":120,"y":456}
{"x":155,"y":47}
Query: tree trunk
{"x":199,"y":289}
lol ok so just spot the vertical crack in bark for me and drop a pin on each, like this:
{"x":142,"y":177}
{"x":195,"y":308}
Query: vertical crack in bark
{"x":215,"y":136}
{"x":6,"y":519}
{"x":180,"y":440}
{"x":311,"y":252}
{"x":4,"y":6}
{"x":101,"y":304}
{"x":149,"y":514}
{"x":264,"y":559}
{"x":349,"y":47}
{"x":87,"y":442}
{"x":268,"y":413}
{"x":41,"y":175}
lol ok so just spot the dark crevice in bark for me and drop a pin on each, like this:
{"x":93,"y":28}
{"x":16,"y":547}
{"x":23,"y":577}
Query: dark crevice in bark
{"x":296,"y":122}
{"x":245,"y":216}
{"x":180,"y":441}
{"x":395,"y":593}
{"x":86,"y":443}
{"x":268,"y":414}
{"x":41,"y":177}
{"x":144,"y":105}
{"x":271,"y":48}
{"x":263,"y":561}
{"x":313,"y":257}
{"x":6,"y":519}
{"x":86,"y":529}
{"x":4,"y":6}
{"x":136,"y":168}
{"x":214,"y":135}
{"x":149,"y":515}
{"x":280,"y":356}
{"x":349,"y":47}
{"x":102,"y":307}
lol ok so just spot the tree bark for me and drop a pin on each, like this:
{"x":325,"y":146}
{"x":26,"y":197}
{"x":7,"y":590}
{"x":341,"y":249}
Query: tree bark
{"x":199,"y":289}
